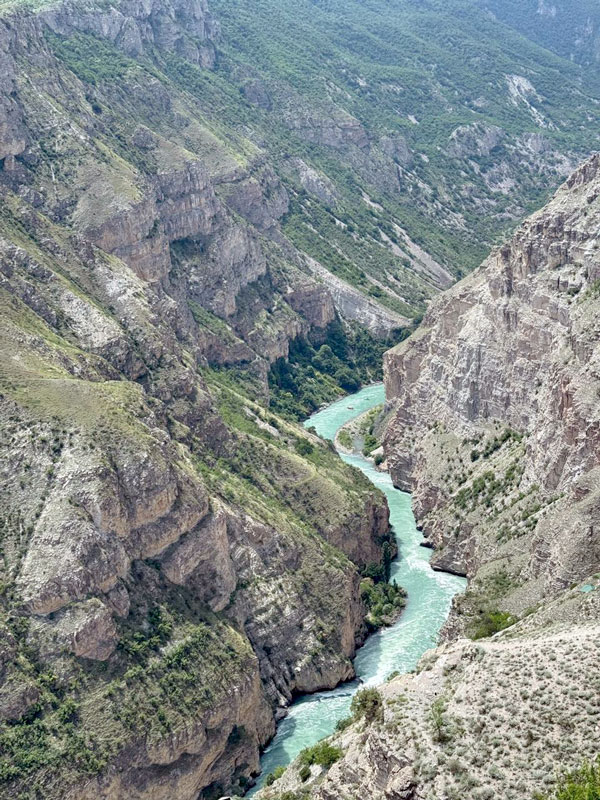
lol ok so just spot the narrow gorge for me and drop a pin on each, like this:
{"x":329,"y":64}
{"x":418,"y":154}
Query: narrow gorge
{"x":219,"y":220}
{"x":394,"y":649}
{"x":492,"y":422}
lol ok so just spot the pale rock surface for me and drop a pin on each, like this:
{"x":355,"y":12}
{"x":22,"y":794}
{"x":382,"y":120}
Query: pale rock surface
{"x":510,"y":352}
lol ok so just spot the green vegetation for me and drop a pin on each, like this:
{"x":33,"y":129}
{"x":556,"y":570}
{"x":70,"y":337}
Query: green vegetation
{"x":323,"y":753}
{"x":141,"y":643}
{"x":384,"y":602}
{"x":67,"y":732}
{"x":346,"y":439}
{"x":314,"y":374}
{"x":376,"y":67}
{"x":490,"y":623}
{"x":92,"y":59}
{"x":368,"y":102}
{"x":481,"y":604}
{"x":579,"y":784}
{"x":367,"y":430}
{"x":592,"y":292}
{"x":274,"y":776}
{"x":569,"y":31}
{"x":441,"y":725}
{"x":174,"y":658}
{"x":488,"y":486}
{"x":367,"y":704}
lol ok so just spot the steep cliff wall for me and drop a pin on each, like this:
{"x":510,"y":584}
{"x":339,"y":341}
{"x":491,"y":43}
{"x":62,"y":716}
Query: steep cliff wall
{"x":495,"y":421}
{"x":177,"y":561}
{"x":493,"y":424}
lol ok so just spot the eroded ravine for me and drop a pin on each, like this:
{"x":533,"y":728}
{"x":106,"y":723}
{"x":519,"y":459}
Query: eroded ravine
{"x":398,"y":648}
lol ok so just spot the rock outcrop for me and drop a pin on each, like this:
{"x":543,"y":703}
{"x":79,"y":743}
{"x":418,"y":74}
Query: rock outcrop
{"x":173,"y":569}
{"x":495,"y":424}
{"x":183,"y":27}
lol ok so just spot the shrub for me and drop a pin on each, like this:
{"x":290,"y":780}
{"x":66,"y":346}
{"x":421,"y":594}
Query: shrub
{"x":274,"y":776}
{"x":374,"y":571}
{"x":345,"y":439}
{"x":344,"y":723}
{"x":439,"y":721}
{"x":304,"y":772}
{"x":383,"y":601}
{"x":303,"y":447}
{"x":491,"y":622}
{"x":323,"y":753}
{"x":367,"y":704}
{"x":580,"y":784}
{"x":371,"y":444}
{"x":68,"y":711}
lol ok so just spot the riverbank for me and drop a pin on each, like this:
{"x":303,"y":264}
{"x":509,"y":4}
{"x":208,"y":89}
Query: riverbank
{"x":359,"y":436}
{"x":394,"y":649}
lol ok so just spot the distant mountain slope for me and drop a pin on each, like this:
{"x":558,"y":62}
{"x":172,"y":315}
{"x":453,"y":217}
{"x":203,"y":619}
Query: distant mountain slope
{"x":431,"y":116}
{"x":570,"y":28}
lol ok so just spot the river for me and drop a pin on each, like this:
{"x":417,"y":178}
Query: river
{"x":398,"y":648}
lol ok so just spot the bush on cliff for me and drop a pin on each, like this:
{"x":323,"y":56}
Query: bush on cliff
{"x":322,"y":753}
{"x":580,"y":784}
{"x":367,"y":704}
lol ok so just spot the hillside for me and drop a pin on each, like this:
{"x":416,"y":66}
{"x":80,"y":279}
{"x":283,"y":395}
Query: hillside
{"x":571,"y":30}
{"x":448,"y":119}
{"x":495,"y":718}
{"x":493,"y":422}
{"x":213,"y":219}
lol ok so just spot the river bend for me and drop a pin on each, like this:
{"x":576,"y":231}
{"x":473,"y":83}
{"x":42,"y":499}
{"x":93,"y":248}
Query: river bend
{"x":398,"y":648}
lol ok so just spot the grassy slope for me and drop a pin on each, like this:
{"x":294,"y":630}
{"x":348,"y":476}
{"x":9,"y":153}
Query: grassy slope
{"x":570,"y":29}
{"x":382,"y":63}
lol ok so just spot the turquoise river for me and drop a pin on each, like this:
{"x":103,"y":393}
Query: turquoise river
{"x":398,"y":648}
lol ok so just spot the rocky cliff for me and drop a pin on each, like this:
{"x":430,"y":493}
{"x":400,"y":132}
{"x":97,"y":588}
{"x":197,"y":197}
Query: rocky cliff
{"x":177,"y":561}
{"x":498,"y":717}
{"x":495,"y":424}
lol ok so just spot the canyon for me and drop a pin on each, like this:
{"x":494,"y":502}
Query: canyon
{"x":214,"y":218}
{"x":491,"y":421}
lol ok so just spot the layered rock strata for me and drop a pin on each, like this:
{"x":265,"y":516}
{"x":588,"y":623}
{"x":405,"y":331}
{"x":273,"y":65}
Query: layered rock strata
{"x":177,"y":561}
{"x":494,"y":423}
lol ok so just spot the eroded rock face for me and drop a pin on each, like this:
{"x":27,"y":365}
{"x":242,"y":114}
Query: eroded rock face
{"x":474,"y":140}
{"x":199,"y":755}
{"x":12,"y":130}
{"x":132,"y":25}
{"x":495,"y":421}
{"x":355,"y":306}
{"x":158,"y":555}
{"x":337,"y":129}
